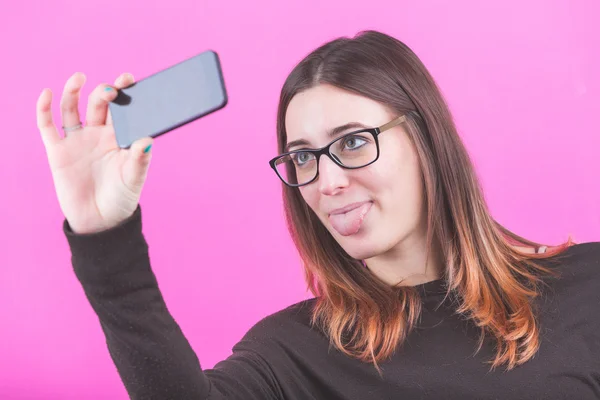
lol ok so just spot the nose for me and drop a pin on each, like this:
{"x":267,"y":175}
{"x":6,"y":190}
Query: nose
{"x":332,"y":178}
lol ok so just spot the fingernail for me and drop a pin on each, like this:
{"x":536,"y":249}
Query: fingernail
{"x":147,"y":149}
{"x":107,"y":89}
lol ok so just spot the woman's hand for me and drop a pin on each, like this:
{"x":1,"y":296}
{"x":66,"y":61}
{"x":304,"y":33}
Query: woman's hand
{"x":97,"y":183}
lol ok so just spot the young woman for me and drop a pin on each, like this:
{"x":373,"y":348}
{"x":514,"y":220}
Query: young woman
{"x":419,"y":292}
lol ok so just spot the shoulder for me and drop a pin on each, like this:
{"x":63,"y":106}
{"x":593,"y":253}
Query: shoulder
{"x":283,"y":324}
{"x":579,"y":257}
{"x":578,"y":267}
{"x":586,"y":248}
{"x":286,"y":332}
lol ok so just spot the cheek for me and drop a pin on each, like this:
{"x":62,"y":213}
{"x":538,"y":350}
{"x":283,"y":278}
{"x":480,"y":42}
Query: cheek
{"x":381,"y":177}
{"x":396,"y":183}
{"x":310,"y":196}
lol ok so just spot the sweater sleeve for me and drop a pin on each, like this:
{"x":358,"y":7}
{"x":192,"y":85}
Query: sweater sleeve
{"x":147,"y":346}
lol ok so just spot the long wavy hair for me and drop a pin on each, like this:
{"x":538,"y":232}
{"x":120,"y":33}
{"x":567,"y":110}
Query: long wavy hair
{"x":491,"y":280}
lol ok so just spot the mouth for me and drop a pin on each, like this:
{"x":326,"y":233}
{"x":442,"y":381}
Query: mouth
{"x":348,"y":220}
{"x":348,"y":208}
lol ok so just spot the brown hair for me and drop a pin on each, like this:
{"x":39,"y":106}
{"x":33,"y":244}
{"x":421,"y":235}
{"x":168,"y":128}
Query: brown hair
{"x":492,"y":281}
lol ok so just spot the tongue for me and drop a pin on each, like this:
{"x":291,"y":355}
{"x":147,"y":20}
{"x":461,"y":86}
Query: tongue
{"x":349,"y":223}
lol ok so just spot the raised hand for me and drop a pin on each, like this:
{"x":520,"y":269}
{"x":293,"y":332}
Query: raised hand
{"x":98,"y":184}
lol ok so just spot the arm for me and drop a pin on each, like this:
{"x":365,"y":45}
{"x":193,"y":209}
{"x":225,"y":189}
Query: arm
{"x":152,"y":356}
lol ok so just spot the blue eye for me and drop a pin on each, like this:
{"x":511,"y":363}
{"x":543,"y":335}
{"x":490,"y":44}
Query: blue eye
{"x":353,"y":142}
{"x":302,"y":158}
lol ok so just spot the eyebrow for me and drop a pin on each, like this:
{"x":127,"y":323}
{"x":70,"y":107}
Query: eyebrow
{"x":331,"y":134}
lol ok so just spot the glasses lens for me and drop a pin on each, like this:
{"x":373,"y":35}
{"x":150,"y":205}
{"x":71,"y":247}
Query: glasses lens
{"x":297,"y":168}
{"x":355,"y":150}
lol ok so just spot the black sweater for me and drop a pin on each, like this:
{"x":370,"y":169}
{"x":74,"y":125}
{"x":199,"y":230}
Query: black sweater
{"x":282,"y":357}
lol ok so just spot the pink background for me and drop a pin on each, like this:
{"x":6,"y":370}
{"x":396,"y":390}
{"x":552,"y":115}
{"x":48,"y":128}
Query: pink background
{"x":522,"y":79}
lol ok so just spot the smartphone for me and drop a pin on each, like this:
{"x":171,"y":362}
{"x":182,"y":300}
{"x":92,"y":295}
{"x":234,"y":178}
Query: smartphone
{"x":169,"y":99}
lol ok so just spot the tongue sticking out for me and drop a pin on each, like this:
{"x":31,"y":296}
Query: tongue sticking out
{"x":349,"y":223}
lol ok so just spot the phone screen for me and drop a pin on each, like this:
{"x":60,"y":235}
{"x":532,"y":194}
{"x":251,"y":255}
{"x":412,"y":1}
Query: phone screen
{"x":168,"y":99}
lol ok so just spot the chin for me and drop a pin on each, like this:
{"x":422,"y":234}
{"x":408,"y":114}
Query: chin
{"x":362,"y":254}
{"x":361,"y":247}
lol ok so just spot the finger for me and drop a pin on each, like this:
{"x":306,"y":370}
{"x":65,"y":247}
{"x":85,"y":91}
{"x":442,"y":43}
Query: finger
{"x":124,"y":80}
{"x":97,"y":107}
{"x":45,"y":123}
{"x":136,"y":167}
{"x":121,"y":82}
{"x":69,"y":103}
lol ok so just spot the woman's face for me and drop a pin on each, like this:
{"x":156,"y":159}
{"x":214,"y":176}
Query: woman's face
{"x":383,"y":202}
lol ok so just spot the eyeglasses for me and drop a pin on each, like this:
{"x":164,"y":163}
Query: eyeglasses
{"x":351,"y":151}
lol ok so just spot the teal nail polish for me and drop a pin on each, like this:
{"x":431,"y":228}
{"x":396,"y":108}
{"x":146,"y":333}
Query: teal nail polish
{"x":107,"y":89}
{"x":147,"y":149}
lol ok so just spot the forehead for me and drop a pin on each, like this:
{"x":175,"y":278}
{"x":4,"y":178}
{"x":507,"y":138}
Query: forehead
{"x":314,"y":112}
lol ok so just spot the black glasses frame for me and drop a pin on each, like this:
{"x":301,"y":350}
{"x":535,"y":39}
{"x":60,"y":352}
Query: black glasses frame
{"x":325,"y":150}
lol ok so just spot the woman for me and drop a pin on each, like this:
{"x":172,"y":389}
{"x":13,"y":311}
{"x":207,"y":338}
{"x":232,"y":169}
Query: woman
{"x":419,"y":293}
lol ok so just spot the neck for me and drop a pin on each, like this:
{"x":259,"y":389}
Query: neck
{"x":408,"y":263}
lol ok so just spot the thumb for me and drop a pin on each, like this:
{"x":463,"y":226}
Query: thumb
{"x":137,"y":163}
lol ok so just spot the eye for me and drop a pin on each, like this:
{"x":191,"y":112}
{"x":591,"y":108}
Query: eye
{"x":302,"y":158}
{"x":353,"y":142}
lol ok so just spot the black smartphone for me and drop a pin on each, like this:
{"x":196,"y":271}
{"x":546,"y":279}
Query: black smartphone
{"x":169,"y":99}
